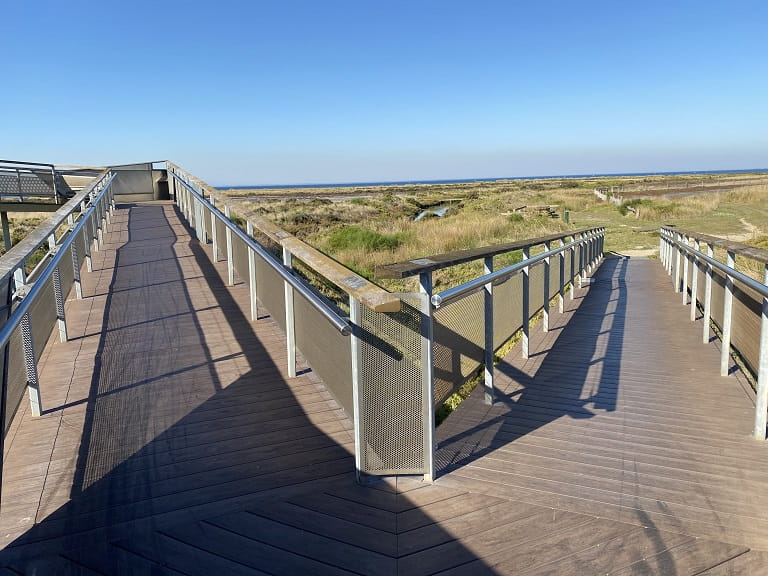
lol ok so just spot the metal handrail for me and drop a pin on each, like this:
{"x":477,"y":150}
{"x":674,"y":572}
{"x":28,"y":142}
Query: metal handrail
{"x":751,"y":283}
{"x":338,"y":322}
{"x":26,"y":303}
{"x":459,"y":292}
{"x":671,"y":242}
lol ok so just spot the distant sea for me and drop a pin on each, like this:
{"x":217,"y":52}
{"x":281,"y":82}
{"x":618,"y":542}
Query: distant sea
{"x":467,"y":180}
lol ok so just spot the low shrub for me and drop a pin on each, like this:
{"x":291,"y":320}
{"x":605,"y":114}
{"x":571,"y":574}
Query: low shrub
{"x":351,"y":237}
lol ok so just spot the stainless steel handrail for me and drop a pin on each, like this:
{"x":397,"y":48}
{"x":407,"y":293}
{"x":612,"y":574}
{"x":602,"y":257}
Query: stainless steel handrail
{"x":459,"y":292}
{"x":338,"y":322}
{"x":26,"y":303}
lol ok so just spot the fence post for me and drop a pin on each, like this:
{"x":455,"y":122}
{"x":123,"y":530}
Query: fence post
{"x":230,"y":262}
{"x":428,"y":373}
{"x":355,"y":318}
{"x":686,"y":257}
{"x":251,"y":275}
{"x":573,"y":265}
{"x":526,"y":305}
{"x":561,"y":300}
{"x":678,"y":255}
{"x":30,"y":365}
{"x":708,"y":294}
{"x":545,"y":318}
{"x":761,"y":400}
{"x":695,"y":280}
{"x":290,"y":319}
{"x":57,"y":292}
{"x":725,"y":352}
{"x":214,"y":235}
{"x":488,"y":325}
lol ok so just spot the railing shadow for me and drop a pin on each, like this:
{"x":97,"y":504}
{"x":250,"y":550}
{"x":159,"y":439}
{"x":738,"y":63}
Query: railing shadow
{"x":578,"y":387}
{"x":171,"y":441}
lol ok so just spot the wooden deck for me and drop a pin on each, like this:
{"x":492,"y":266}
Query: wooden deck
{"x":174,"y":443}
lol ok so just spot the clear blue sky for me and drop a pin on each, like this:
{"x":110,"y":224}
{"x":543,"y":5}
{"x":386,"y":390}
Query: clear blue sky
{"x":269,"y":92}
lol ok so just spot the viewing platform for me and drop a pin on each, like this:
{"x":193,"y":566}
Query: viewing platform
{"x":178,"y":434}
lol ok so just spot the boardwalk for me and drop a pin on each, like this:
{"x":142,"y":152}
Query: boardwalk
{"x":174,"y":443}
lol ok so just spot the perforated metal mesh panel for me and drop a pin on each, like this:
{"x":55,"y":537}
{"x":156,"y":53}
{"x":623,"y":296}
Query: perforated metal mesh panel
{"x":326,"y":350}
{"x":745,"y":321}
{"x":43,"y":317}
{"x":221,"y":238}
{"x":31,"y":185}
{"x":271,"y":291}
{"x":67,"y":273}
{"x":240,"y":258}
{"x":459,"y":335}
{"x":394,"y":414}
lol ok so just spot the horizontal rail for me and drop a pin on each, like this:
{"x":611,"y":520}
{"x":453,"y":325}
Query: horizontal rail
{"x":369,"y":294}
{"x":751,"y":283}
{"x":17,"y":256}
{"x":407,"y":268}
{"x":61,"y":249}
{"x":736,"y":247}
{"x":22,"y":164}
{"x":337,"y":321}
{"x":458,"y":292}
{"x":676,"y":255}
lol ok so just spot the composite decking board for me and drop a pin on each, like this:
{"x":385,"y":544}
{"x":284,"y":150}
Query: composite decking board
{"x":334,"y":552}
{"x":228,"y":544}
{"x":616,"y":553}
{"x":523,"y":534}
{"x":470,"y":516}
{"x":752,"y":562}
{"x":292,"y":514}
{"x":506,"y":513}
{"x":689,"y":558}
{"x":187,"y":559}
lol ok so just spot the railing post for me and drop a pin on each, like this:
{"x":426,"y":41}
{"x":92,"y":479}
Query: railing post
{"x":355,"y":318}
{"x":488,"y":324}
{"x":290,"y":319}
{"x":428,"y":373}
{"x":695,"y":280}
{"x":677,"y":262}
{"x":573,"y":268}
{"x":687,"y":242}
{"x":214,"y":235}
{"x":86,"y":239}
{"x":230,"y":263}
{"x":30,"y":364}
{"x":57,"y":293}
{"x":545,"y":309}
{"x":561,"y":300}
{"x":526,"y":305}
{"x":251,"y":274}
{"x":761,"y":400}
{"x":708,"y":295}
{"x":76,"y":271}
{"x":725,"y":352}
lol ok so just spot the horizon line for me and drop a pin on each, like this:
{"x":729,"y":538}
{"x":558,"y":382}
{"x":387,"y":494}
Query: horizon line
{"x":491,"y":179}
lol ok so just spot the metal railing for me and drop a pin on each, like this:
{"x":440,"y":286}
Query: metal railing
{"x":369,"y":358}
{"x":35,"y":300}
{"x":28,"y":179}
{"x":743,"y":310}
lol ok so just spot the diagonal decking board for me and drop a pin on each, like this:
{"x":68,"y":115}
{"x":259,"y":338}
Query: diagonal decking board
{"x":175,"y":443}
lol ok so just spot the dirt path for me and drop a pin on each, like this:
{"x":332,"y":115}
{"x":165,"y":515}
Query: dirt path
{"x":751,"y":232}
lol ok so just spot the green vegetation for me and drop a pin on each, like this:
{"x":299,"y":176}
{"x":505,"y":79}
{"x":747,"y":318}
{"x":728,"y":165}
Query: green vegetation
{"x":357,"y":237}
